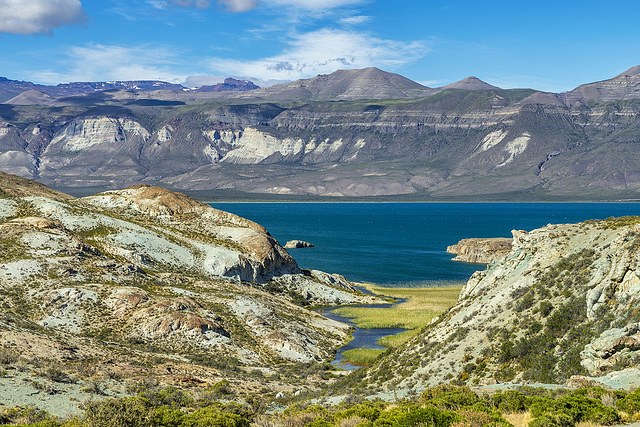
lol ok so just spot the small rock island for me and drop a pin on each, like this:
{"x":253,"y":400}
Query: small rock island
{"x":297,"y":244}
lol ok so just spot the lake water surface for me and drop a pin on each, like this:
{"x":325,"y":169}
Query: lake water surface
{"x":405,"y":243}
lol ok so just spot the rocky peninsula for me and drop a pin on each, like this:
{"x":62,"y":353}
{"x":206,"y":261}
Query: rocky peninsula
{"x":562,"y":306}
{"x":480,"y":251}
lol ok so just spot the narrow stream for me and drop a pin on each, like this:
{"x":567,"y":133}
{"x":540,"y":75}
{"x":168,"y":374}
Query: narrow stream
{"x":361,"y":337}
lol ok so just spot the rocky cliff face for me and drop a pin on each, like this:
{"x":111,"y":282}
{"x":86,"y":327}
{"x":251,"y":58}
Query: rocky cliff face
{"x":468,"y":141}
{"x":482,"y":251}
{"x":147,"y":268}
{"x":625,"y":85}
{"x":564,"y":302}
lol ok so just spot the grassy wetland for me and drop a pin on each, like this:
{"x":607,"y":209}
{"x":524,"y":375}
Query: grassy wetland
{"x":418,"y":307}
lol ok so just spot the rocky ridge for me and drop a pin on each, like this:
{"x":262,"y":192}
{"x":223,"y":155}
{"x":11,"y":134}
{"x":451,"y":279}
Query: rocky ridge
{"x":11,"y":88}
{"x":113,"y":275}
{"x":561,"y":306}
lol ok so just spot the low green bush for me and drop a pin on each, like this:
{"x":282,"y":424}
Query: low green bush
{"x":571,"y":409}
{"x":212,"y":417}
{"x":510,"y":401}
{"x":631,"y":403}
{"x":167,"y":396}
{"x":414,"y":415}
{"x":450,"y":397}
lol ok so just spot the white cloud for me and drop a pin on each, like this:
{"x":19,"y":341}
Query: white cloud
{"x":321,"y":52}
{"x":209,"y":80}
{"x":353,"y":20}
{"x":38,"y":16}
{"x":312,"y":4}
{"x":236,"y":6}
{"x":200,"y":4}
{"x":239,"y":5}
{"x":97,"y":62}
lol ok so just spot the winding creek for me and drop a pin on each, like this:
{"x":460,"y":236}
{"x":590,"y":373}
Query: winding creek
{"x":361,"y":337}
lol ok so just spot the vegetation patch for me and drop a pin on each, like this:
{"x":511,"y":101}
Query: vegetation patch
{"x":362,"y":355}
{"x":420,"y":307}
{"x":398,"y":339}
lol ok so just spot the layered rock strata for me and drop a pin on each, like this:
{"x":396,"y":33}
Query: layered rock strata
{"x":480,"y":251}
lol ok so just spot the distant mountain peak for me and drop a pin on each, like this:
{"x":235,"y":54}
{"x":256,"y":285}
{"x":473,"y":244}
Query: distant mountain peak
{"x":633,"y":71}
{"x":230,"y":84}
{"x":349,"y":84}
{"x":31,"y":97}
{"x":470,"y":83}
{"x":625,"y":85}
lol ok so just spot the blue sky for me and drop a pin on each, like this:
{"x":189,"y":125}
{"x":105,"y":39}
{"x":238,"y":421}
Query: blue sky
{"x":545,"y":45}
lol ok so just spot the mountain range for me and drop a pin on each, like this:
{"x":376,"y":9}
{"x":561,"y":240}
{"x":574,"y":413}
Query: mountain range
{"x":11,"y":88}
{"x":349,"y":134}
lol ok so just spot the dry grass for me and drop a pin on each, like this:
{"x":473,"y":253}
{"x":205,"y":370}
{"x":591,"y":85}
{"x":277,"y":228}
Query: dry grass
{"x":352,"y":421}
{"x":519,"y":419}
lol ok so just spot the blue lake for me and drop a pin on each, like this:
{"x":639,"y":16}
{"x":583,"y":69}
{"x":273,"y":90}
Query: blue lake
{"x":398,"y":244}
{"x":405,"y":243}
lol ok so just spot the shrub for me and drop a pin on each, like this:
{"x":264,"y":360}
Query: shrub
{"x":450,"y":397}
{"x":510,"y":401}
{"x":168,"y":396}
{"x":27,"y":415}
{"x":631,"y":403}
{"x":367,"y":410}
{"x":412,"y":415}
{"x":480,"y":417}
{"x":118,"y":412}
{"x":166,"y":416}
{"x":545,"y":308}
{"x":571,"y":409}
{"x":7,"y":357}
{"x":213,"y":417}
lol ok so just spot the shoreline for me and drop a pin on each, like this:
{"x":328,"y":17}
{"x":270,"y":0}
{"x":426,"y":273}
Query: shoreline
{"x":632,"y":201}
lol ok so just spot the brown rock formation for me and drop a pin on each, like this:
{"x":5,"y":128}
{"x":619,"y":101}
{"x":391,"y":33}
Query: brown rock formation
{"x":480,"y":251}
{"x":20,"y":187}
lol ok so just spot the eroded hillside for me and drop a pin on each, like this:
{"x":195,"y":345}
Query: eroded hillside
{"x":148,"y":280}
{"x":563,"y":305}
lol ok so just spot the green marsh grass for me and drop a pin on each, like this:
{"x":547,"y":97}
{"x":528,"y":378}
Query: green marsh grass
{"x":398,"y":339}
{"x":420,"y":307}
{"x":362,"y":355}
